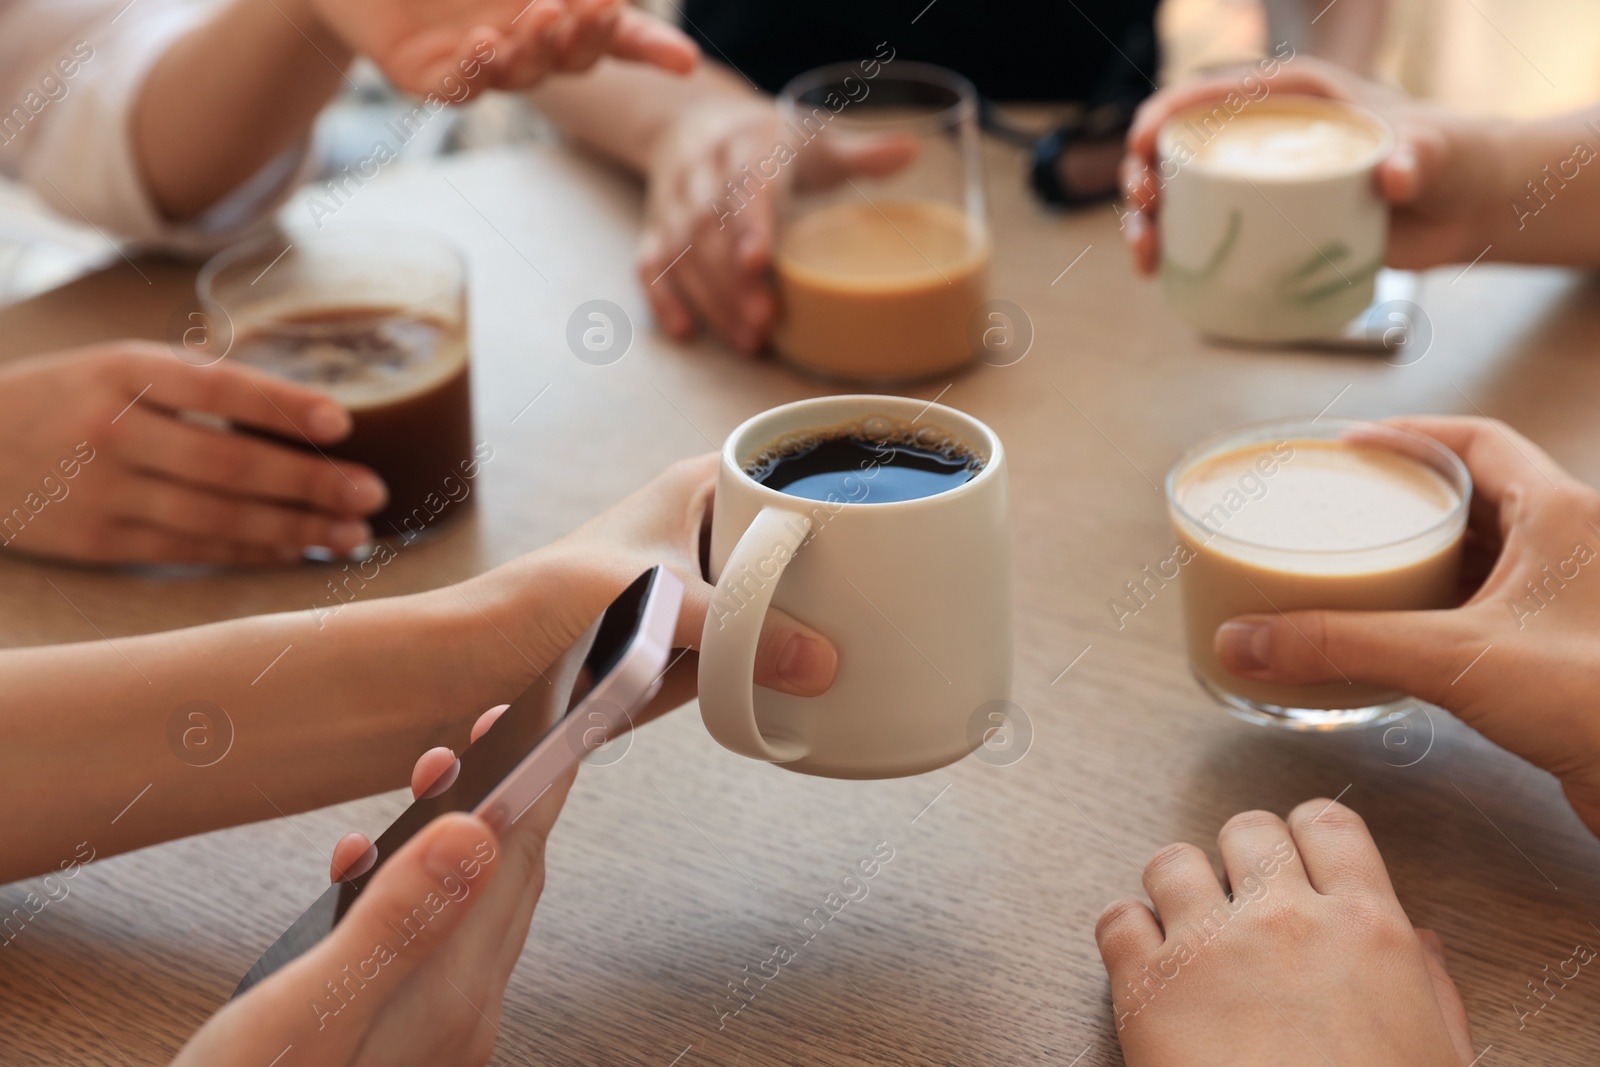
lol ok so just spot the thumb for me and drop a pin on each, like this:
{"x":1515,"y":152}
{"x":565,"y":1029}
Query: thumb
{"x":403,"y":917}
{"x":1449,"y":998}
{"x":791,"y":657}
{"x":1418,"y":652}
{"x":328,"y":999}
{"x":1415,"y":165}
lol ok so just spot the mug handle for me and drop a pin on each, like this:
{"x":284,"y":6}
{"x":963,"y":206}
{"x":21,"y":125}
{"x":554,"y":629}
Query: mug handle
{"x":728,"y":643}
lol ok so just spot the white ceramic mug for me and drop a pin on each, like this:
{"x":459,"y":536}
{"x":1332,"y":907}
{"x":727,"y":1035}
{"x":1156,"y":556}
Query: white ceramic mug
{"x":914,"y":594}
{"x":1268,"y":258}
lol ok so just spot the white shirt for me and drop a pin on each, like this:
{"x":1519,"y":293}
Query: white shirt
{"x":70,"y":71}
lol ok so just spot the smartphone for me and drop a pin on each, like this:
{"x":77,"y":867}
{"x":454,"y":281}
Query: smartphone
{"x":589,"y":695}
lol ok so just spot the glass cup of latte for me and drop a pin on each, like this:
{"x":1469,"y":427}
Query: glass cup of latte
{"x":1329,"y":513}
{"x":880,"y":274}
{"x":1272,"y":229}
{"x":377,"y":319}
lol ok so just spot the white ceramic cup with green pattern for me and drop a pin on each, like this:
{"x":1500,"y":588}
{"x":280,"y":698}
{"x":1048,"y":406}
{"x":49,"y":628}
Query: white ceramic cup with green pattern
{"x":1272,"y":229}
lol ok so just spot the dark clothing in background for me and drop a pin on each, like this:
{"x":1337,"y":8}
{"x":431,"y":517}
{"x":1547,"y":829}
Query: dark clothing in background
{"x":1056,"y":50}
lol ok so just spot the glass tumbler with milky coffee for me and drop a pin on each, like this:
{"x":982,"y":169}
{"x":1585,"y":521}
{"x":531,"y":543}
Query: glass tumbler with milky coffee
{"x":880,"y":277}
{"x":377,"y":319}
{"x":1328,"y":513}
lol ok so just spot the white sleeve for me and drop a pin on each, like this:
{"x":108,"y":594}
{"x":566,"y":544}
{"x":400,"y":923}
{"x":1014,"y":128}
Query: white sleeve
{"x":70,"y":71}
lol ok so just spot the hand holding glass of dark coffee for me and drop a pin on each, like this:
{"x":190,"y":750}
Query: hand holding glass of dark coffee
{"x":377,"y":319}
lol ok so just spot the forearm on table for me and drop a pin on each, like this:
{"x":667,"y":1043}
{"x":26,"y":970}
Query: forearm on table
{"x":229,"y":97}
{"x":314,"y":710}
{"x":1546,"y":208}
{"x":620,"y":109}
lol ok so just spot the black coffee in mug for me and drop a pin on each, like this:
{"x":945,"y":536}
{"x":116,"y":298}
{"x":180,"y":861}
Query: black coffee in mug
{"x":877,"y":460}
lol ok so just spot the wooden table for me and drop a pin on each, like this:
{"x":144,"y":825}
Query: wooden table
{"x":675,"y":867}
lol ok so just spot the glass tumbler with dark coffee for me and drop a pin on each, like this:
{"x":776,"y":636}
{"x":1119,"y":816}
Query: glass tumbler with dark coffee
{"x":377,"y":319}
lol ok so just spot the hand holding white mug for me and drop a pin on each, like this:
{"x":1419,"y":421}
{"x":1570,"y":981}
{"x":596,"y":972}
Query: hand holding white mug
{"x":1440,"y":181}
{"x":1520,"y":660}
{"x":913,"y":591}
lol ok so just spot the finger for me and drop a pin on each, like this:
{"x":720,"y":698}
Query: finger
{"x":1143,"y":240}
{"x":754,"y":236}
{"x":353,"y":856}
{"x":487,"y":719}
{"x":873,"y":155}
{"x":399,"y":924}
{"x":435,"y":771}
{"x":587,"y":32}
{"x":1448,"y":996}
{"x":1400,"y":175}
{"x":1182,"y":885}
{"x":791,"y":657}
{"x":1126,"y":932}
{"x":1141,"y":188}
{"x":153,"y":441}
{"x":410,"y":909}
{"x":742,"y":249}
{"x":475,"y":44}
{"x":1155,"y":111}
{"x":238,"y":393}
{"x":122,"y":542}
{"x":1417,"y":652}
{"x":705,"y":284}
{"x":532,"y":48}
{"x":670,"y":308}
{"x":1258,"y":849}
{"x":1499,"y":458}
{"x":642,"y":38}
{"x":1338,"y":852}
{"x":517,"y":890}
{"x":708,"y":272}
{"x":196,"y":512}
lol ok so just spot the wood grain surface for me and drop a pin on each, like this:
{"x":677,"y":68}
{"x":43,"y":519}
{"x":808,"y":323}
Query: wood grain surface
{"x":676,"y":867}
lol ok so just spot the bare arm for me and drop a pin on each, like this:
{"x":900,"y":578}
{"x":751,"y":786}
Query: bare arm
{"x":229,"y":97}
{"x":622,"y":109}
{"x":238,"y":90}
{"x":1544,"y":202}
{"x":341,"y":714}
{"x":331,"y":704}
{"x":1459,"y":187}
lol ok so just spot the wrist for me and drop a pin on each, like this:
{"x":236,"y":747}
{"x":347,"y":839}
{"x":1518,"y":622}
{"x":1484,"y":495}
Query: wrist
{"x":1493,"y":171}
{"x":303,"y":19}
{"x":487,"y":633}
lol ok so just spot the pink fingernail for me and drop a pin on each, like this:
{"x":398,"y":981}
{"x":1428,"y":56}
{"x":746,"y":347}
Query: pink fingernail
{"x":1244,"y":646}
{"x":329,"y":422}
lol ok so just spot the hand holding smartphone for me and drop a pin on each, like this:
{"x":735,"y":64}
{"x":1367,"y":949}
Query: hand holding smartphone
{"x":587,"y":696}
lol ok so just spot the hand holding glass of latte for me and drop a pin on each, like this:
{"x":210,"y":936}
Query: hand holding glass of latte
{"x":879,"y":276}
{"x":1303,"y":514}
